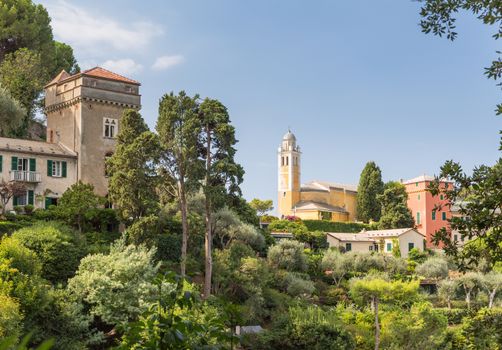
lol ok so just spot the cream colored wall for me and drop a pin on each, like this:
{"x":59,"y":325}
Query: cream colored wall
{"x":410,"y":237}
{"x":357,"y":246}
{"x":339,"y":217}
{"x":57,"y":185}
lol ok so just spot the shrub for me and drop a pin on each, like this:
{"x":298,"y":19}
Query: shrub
{"x":454,"y":316}
{"x":19,"y":209}
{"x":28,"y":209}
{"x":116,"y":286}
{"x":335,"y":295}
{"x":10,"y":317}
{"x":57,"y":246}
{"x":288,"y":255}
{"x":298,"y":286}
{"x":434,"y":268}
{"x":7,"y":227}
{"x":168,"y":247}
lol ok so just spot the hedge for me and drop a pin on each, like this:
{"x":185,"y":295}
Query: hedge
{"x":330,"y":226}
{"x":7,"y":227}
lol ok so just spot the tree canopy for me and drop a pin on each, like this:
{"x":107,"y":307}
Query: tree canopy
{"x":370,"y":186}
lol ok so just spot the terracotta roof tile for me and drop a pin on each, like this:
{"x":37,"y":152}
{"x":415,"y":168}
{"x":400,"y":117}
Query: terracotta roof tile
{"x":104,"y":73}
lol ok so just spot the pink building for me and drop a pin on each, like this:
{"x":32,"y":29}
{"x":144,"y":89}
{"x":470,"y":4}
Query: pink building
{"x":422,"y":205}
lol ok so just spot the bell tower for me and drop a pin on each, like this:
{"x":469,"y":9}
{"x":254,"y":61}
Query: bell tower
{"x":288,"y":163}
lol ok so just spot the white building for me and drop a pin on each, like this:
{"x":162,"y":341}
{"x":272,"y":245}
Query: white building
{"x":378,"y":240}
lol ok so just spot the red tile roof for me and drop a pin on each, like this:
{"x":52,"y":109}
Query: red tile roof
{"x":104,"y":73}
{"x":61,"y":76}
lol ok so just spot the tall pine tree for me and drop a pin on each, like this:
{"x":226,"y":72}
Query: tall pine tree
{"x":370,"y":185}
{"x":221,"y":175}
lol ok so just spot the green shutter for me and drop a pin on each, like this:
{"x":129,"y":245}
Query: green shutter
{"x":49,"y":168}
{"x":1,"y":163}
{"x":33,"y":164}
{"x":13,"y":163}
{"x":14,"y":201}
{"x":63,"y":170}
{"x":30,"y":197}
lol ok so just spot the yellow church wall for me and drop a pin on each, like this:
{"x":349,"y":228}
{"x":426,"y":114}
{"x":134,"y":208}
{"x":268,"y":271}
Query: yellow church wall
{"x":316,"y":196}
{"x":308,"y":214}
{"x":337,"y":198}
{"x":340,"y":217}
{"x":351,"y":205}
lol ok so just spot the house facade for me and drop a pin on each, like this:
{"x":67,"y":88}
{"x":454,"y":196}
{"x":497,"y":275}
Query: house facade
{"x":378,"y":240}
{"x":83,"y":119}
{"x":431,"y":213}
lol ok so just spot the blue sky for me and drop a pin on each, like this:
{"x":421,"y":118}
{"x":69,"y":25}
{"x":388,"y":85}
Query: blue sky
{"x":355,"y":80}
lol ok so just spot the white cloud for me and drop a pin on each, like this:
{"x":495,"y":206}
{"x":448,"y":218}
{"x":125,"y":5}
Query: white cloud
{"x":124,"y":66}
{"x":90,"y":31}
{"x":166,"y":62}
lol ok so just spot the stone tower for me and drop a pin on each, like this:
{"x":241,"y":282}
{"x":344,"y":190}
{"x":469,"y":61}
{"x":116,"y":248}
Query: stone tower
{"x":83,"y":114}
{"x":288,"y":161}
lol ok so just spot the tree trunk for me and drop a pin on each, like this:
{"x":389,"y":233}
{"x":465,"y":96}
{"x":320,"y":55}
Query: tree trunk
{"x":492,"y":298}
{"x":468,"y":299}
{"x":449,"y":304}
{"x":377,"y":324}
{"x":208,"y":236}
{"x":184,"y":224}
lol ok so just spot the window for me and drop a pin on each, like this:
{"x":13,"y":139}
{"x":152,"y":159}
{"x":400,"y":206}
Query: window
{"x":389,"y":247}
{"x":411,"y":245}
{"x":1,"y":163}
{"x":348,"y":247}
{"x":418,"y":197}
{"x":284,"y":194}
{"x":370,"y":248}
{"x":22,"y":164}
{"x":416,"y":184}
{"x":282,"y":161}
{"x":418,"y":218}
{"x":110,"y":128}
{"x":287,"y":160}
{"x":56,"y":168}
{"x":433,"y":215}
{"x":445,"y":185}
{"x":443,"y":215}
{"x":441,"y":197}
{"x":25,"y":199}
{"x":455,"y":238}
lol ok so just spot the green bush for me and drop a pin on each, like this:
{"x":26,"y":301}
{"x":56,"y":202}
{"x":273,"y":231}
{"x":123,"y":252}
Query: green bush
{"x":454,"y":316}
{"x":168,"y":247}
{"x":57,"y":246}
{"x":7,"y":227}
{"x":10,"y":317}
{"x":331,"y":226}
{"x":19,"y":209}
{"x":28,"y":209}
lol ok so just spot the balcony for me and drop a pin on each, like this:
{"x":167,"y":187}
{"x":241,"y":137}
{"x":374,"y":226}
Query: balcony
{"x":25,"y":176}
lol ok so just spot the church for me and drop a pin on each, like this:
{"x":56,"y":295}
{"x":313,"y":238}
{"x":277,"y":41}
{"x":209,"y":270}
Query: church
{"x":315,"y":200}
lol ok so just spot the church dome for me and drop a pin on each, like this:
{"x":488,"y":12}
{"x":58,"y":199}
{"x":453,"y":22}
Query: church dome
{"x":289,"y":136}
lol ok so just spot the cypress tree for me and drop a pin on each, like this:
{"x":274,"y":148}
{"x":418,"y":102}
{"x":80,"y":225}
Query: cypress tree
{"x":370,"y":185}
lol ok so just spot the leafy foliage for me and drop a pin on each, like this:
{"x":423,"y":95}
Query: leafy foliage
{"x":115,"y":286}
{"x":58,"y":248}
{"x":133,"y":177}
{"x":76,"y":202}
{"x":370,"y":186}
{"x":395,"y":211}
{"x":288,"y":255}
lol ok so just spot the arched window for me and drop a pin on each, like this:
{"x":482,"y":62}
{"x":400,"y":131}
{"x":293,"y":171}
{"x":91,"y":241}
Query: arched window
{"x":110,"y":127}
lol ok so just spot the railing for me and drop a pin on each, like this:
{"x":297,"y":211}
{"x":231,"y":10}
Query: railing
{"x":25,"y":176}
